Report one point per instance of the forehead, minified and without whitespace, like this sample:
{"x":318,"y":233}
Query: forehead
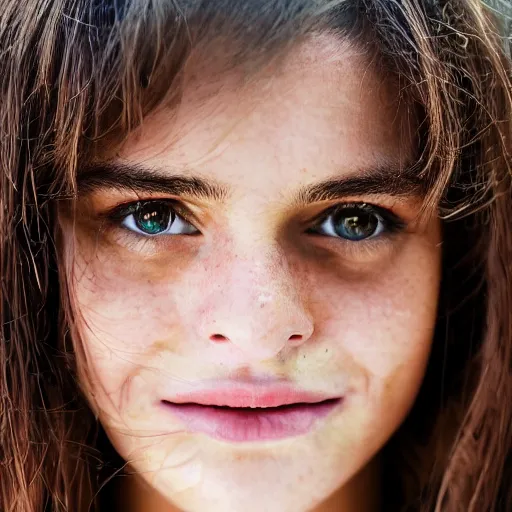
{"x":324,"y":108}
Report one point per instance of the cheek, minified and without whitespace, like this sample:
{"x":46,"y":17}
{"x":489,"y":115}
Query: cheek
{"x":122,"y":310}
{"x":382,"y":326}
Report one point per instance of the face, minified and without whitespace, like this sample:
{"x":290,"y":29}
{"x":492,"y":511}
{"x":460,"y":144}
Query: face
{"x":254,"y":294}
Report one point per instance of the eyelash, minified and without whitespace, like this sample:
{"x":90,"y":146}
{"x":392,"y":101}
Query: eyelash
{"x":119,"y":213}
{"x":391,"y":223}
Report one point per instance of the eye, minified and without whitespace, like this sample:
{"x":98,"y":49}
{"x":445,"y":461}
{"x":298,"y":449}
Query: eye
{"x":152,"y":218}
{"x":357,"y":222}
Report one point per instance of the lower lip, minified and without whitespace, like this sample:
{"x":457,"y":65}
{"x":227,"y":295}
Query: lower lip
{"x":258,"y":424}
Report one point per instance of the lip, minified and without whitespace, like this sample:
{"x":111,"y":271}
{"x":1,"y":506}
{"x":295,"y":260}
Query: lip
{"x":251,"y":413}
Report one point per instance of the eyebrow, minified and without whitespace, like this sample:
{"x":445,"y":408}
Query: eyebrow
{"x":384,"y":180}
{"x":139,"y":178}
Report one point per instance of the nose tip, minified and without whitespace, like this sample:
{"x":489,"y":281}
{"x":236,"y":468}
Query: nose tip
{"x":258,"y":311}
{"x":262,"y":343}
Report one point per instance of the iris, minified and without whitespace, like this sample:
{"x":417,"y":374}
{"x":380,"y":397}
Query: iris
{"x":153,"y":218}
{"x":355,"y":224}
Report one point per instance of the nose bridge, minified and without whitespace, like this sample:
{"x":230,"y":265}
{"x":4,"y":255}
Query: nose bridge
{"x":268,"y":277}
{"x":258,"y":307}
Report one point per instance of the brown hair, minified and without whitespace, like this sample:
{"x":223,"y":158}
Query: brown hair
{"x":77,"y":73}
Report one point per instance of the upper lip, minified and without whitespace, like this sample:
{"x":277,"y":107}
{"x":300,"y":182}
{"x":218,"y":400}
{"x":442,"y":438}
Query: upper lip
{"x":249,"y":395}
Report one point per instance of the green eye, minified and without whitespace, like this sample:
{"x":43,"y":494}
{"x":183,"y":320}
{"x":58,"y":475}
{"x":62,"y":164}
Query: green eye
{"x":153,"y":218}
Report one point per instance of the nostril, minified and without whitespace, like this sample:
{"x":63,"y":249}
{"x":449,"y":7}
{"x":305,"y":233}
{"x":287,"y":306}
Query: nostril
{"x":218,"y":338}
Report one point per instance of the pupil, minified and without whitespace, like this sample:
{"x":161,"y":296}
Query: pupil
{"x":355,"y":224}
{"x":153,"y":218}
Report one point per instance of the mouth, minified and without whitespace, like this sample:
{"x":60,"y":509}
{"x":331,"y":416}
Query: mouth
{"x":251,"y":423}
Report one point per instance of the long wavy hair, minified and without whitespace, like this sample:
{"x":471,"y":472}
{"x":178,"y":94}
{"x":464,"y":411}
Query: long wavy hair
{"x":77,"y":75}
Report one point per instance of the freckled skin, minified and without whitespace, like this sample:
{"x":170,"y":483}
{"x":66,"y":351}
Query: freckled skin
{"x":366,"y":315}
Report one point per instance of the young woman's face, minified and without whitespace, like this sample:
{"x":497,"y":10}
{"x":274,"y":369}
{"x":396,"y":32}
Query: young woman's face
{"x":257,"y":249}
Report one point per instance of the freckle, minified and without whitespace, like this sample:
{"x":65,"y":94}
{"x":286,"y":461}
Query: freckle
{"x":243,"y":372}
{"x":159,"y":346}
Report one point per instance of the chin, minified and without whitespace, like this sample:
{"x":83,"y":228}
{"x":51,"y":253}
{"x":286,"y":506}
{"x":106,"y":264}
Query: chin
{"x":206,"y":474}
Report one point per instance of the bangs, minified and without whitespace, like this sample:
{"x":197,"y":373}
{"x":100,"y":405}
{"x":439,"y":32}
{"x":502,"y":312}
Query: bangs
{"x":141,"y":53}
{"x":122,"y":60}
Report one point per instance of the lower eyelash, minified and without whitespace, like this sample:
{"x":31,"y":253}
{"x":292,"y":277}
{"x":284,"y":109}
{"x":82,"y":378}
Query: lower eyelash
{"x":132,"y":241}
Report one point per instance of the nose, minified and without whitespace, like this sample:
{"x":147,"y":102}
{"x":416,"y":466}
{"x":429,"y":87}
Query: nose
{"x":254,"y":304}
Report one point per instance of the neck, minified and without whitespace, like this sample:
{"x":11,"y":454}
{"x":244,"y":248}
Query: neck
{"x":360,"y":494}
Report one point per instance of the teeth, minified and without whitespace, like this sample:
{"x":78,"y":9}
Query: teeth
{"x":257,"y":407}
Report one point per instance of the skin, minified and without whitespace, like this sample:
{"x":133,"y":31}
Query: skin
{"x":363,"y":312}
